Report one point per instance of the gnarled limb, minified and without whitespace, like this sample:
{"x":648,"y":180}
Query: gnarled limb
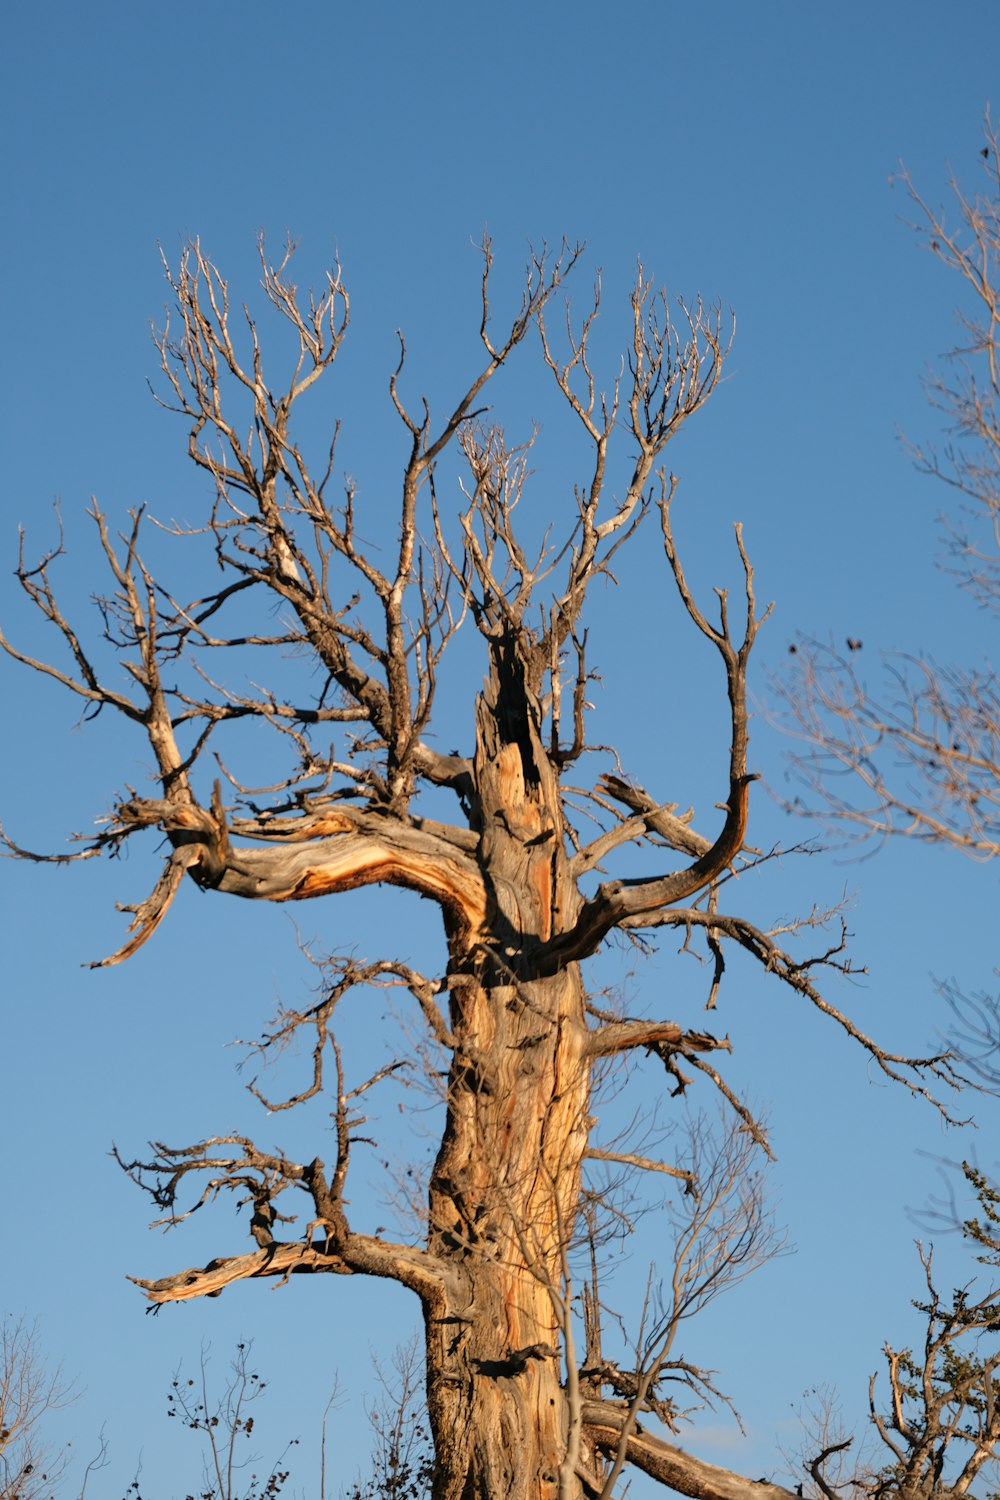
{"x":617,"y":903}
{"x":338,"y":849}
{"x":679,"y":1471}
{"x":148,"y":914}
{"x":262,"y":1177}
{"x":621,"y":903}
{"x":365,"y":1256}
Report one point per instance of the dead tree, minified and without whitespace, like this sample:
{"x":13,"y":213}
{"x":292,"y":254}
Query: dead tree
{"x":920,"y":759}
{"x":922,"y":755}
{"x":514,"y":872}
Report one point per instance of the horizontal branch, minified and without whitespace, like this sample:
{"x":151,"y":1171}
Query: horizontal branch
{"x":362,"y":1255}
{"x":344,"y":848}
{"x":641,"y":1163}
{"x":622,"y":1036}
{"x":338,"y":849}
{"x":941,"y":1067}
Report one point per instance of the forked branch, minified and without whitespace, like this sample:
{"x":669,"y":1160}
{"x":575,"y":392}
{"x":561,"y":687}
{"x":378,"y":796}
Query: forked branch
{"x":622,"y":903}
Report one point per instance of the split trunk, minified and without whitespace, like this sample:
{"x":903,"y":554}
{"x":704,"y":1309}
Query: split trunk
{"x":506,"y":1184}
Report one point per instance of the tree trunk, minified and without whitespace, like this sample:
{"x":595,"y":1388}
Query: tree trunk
{"x":506,"y":1184}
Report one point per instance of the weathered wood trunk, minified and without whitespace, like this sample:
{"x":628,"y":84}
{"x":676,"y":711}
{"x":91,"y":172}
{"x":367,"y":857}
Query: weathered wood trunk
{"x":506,"y":1184}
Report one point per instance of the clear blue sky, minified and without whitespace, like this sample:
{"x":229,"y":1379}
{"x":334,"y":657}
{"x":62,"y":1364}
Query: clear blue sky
{"x":743,"y":151}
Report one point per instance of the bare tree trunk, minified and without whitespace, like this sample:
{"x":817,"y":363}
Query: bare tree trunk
{"x":506,"y":1183}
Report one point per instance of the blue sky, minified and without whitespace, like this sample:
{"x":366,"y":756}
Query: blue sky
{"x":744,"y":152}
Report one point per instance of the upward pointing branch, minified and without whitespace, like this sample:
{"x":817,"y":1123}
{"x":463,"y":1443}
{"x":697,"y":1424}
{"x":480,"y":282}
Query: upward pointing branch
{"x":618,"y":901}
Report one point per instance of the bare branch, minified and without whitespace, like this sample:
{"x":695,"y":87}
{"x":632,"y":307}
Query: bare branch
{"x":920,"y":758}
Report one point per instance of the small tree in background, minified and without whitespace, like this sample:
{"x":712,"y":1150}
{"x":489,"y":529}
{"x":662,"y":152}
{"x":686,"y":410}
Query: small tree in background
{"x":934,"y":1408}
{"x":921,"y":760}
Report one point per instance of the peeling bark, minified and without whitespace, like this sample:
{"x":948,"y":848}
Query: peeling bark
{"x":506,"y":1183}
